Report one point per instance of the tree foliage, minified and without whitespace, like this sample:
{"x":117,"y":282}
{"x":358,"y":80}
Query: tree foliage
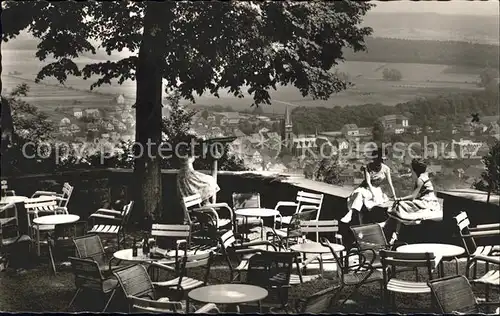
{"x":391,"y":74}
{"x":491,"y":176}
{"x":192,"y":49}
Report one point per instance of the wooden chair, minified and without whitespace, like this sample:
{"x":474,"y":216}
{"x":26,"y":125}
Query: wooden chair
{"x":90,"y":247}
{"x":62,"y":198}
{"x":110,"y":225}
{"x":468,"y":235}
{"x":5,"y":189}
{"x":231,"y":249}
{"x":247,"y":200}
{"x":291,"y":234}
{"x":318,"y":303}
{"x":355,"y":275}
{"x":183,"y":284}
{"x":88,"y":276}
{"x":324,"y":226}
{"x":194,"y":203}
{"x":305,"y":201}
{"x":272,"y":271}
{"x":181,"y":234}
{"x":13,"y":232}
{"x":392,"y":259}
{"x":454,"y":295}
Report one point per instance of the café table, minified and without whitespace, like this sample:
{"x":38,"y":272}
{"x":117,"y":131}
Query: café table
{"x":312,"y":247}
{"x":443,"y":251}
{"x":255,"y":212}
{"x":57,"y":219}
{"x":228,"y":294}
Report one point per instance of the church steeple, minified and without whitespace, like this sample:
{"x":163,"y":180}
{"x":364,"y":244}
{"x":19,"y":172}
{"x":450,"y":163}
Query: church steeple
{"x":287,"y":128}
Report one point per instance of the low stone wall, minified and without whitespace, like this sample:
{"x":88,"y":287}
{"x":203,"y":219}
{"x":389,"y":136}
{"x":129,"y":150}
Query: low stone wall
{"x":97,"y":188}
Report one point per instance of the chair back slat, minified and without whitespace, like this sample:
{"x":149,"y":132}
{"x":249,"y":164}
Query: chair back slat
{"x":189,"y":202}
{"x":403,"y":259}
{"x":87,"y":273}
{"x":227,"y":239}
{"x":135,"y":281}
{"x":142,"y":305}
{"x":197,"y":260}
{"x":463,"y":227}
{"x":245,"y":200}
{"x":168,"y":230}
{"x":454,"y":294}
{"x":313,"y":226}
{"x":127,"y":210}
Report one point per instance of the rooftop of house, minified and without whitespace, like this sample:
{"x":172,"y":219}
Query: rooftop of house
{"x":350,"y":127}
{"x":391,"y":117}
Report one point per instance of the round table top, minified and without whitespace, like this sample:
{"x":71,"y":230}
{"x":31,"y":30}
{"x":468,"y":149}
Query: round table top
{"x":257,"y":212}
{"x":56,"y":219}
{"x":443,"y":250}
{"x":126,"y":255}
{"x":315,"y":247}
{"x":13,"y":199}
{"x":228,"y":293}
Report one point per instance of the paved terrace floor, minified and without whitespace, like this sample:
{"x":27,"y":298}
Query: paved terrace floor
{"x":35,"y":289}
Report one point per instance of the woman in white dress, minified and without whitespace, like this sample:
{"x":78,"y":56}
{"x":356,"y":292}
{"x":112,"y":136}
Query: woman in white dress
{"x":369,"y":193}
{"x":419,"y":205}
{"x":190,"y":181}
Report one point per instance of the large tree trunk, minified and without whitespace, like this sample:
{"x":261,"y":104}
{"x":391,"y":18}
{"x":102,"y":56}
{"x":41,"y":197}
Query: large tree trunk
{"x":147,"y":173}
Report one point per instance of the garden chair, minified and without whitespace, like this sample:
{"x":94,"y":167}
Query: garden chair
{"x":391,"y":260}
{"x":88,"y":276}
{"x":183,"y":284}
{"x":13,"y":232}
{"x":292,"y":233}
{"x":5,"y":189}
{"x":272,"y":271}
{"x":62,"y":198}
{"x":324,"y":226}
{"x":181,"y":234}
{"x":230,"y":249}
{"x":90,"y":247}
{"x":318,"y":303}
{"x":194,"y":203}
{"x":247,"y":200}
{"x":61,"y":240}
{"x":305,"y":201}
{"x":355,"y":275}
{"x":490,"y":277}
{"x":114,"y":226}
{"x":468,"y":235}
{"x":371,"y":236}
{"x":454,"y":295}
{"x":205,"y":229}
{"x":141,"y":293}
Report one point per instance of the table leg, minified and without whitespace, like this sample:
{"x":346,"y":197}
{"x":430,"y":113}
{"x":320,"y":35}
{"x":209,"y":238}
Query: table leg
{"x":38,"y":239}
{"x":456,"y":264}
{"x":441,"y":269}
{"x":232,"y":308}
{"x":321,"y":265}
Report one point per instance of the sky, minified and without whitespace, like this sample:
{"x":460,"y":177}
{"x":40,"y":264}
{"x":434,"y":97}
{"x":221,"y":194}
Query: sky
{"x":442,"y":7}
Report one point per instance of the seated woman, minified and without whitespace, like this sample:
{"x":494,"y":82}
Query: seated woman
{"x":190,"y":181}
{"x":422,"y":204}
{"x":369,"y":193}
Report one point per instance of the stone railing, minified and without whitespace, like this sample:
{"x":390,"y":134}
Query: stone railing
{"x":96,"y":188}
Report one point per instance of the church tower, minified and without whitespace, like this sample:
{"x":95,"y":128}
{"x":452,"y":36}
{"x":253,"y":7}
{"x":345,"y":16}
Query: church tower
{"x":287,"y":129}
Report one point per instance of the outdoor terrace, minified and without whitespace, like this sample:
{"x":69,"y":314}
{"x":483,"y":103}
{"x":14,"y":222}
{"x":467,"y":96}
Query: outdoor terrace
{"x":36,"y":289}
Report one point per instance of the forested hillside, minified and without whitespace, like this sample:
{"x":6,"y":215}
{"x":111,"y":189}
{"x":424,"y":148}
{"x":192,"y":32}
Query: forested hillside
{"x":427,"y":52}
{"x":432,"y":112}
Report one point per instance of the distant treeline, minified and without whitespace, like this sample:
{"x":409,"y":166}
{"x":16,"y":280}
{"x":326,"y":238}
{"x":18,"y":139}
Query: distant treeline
{"x":453,"y":108}
{"x":389,"y":50}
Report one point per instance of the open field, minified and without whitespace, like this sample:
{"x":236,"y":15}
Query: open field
{"x":418,"y":80}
